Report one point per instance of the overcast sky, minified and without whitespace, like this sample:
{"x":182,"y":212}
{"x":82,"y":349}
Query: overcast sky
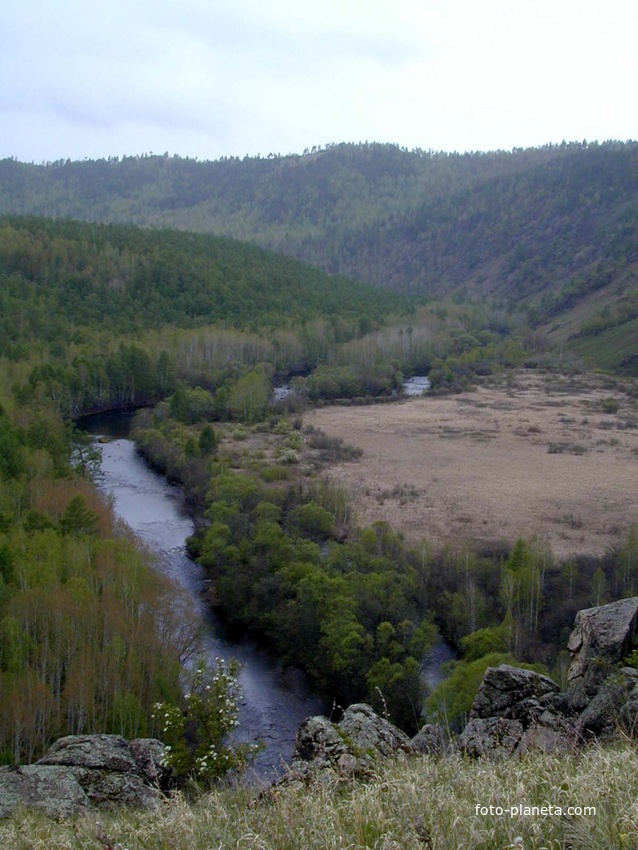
{"x":211,"y":78}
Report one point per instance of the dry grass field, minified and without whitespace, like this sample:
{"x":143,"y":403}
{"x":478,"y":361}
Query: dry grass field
{"x":532,"y":454}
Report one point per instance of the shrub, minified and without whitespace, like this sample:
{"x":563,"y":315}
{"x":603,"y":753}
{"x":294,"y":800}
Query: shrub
{"x":197,"y":733}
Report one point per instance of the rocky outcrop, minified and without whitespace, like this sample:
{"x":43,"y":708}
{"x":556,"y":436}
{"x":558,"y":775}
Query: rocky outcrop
{"x":614,"y":709}
{"x":350,"y":747}
{"x":516,"y":710}
{"x":431,"y":740}
{"x":601,"y":638}
{"x":82,"y":771}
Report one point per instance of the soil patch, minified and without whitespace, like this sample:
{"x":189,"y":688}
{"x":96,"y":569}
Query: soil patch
{"x":535,"y":454}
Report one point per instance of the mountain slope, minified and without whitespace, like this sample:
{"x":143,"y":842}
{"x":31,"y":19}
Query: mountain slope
{"x":553,"y":229}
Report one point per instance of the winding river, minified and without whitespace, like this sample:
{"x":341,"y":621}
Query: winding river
{"x":274,"y":701}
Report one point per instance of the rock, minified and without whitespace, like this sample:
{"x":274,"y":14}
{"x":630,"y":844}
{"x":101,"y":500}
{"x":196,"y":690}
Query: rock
{"x":490,"y":736}
{"x":104,"y":788}
{"x":613,"y":708}
{"x":431,"y":739}
{"x":80,"y":771}
{"x":600,"y":639}
{"x":508,"y":691}
{"x":97,"y":752}
{"x":149,"y":758}
{"x":515,"y":711}
{"x":53,"y":790}
{"x":318,"y":740}
{"x":368,"y":733}
{"x":348,"y":748}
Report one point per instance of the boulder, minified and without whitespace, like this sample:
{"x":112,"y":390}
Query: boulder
{"x":81,"y":771}
{"x":614,"y":707}
{"x":601,"y":638}
{"x":318,"y":740}
{"x":484,"y":736}
{"x":52,"y":790}
{"x":349,"y":747}
{"x":96,"y":752}
{"x":366,"y":732}
{"x":512,"y":692}
{"x":515,"y":711}
{"x":430,"y":740}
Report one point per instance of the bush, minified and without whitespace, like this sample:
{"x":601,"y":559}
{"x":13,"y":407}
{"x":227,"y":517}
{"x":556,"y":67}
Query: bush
{"x":197,"y":733}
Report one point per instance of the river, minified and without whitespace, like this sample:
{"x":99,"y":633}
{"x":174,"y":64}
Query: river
{"x":274,"y":701}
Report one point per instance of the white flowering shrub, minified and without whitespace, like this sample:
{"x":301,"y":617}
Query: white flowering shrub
{"x":197,"y":734}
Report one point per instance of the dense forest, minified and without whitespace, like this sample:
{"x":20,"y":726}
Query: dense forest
{"x":459,"y":267}
{"x":552,"y":228}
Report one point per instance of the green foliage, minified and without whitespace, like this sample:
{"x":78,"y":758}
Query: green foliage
{"x":11,"y":450}
{"x":207,"y":441}
{"x":198,"y":733}
{"x":192,"y":405}
{"x":250,"y":397}
{"x":78,"y":518}
{"x":484,"y":642}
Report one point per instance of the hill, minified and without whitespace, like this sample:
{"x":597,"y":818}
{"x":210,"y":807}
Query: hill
{"x":553,"y":229}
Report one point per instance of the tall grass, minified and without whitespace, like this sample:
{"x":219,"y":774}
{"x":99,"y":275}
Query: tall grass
{"x":422,"y":803}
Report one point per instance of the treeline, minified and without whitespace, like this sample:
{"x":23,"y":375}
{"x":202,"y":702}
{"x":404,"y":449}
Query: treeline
{"x":90,"y":635}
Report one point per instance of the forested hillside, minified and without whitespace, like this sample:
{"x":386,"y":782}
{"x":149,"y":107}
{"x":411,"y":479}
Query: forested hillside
{"x":517,"y":223}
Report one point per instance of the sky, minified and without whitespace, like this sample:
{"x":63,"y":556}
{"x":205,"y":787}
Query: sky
{"x":211,"y":78}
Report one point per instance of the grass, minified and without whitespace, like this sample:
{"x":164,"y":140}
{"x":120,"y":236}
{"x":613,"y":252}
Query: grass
{"x":422,"y":803}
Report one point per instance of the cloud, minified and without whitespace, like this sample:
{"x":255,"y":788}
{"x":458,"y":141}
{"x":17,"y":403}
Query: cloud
{"x":206,"y":77}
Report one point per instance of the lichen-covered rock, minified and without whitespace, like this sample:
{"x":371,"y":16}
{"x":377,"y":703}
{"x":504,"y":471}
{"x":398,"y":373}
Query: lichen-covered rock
{"x":512,"y":692}
{"x":53,"y":790}
{"x":97,"y":752}
{"x":149,"y":758}
{"x":366,"y":732}
{"x":601,"y":638}
{"x":348,"y":748}
{"x":110,"y":788}
{"x":613,"y":708}
{"x":431,"y":739}
{"x":318,"y":740}
{"x":485,"y":736}
{"x":515,"y":711}
{"x":80,"y":771}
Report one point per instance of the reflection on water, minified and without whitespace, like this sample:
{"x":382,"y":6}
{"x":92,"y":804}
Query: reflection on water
{"x":275,"y":702}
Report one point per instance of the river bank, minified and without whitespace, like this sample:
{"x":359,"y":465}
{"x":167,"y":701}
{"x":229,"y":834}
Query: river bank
{"x":274,"y":701}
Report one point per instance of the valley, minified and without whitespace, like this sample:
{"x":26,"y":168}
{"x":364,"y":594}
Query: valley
{"x":527,"y":454}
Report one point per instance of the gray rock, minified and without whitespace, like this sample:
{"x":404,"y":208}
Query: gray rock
{"x":613,"y":708}
{"x":149,"y":758}
{"x":368,"y":733}
{"x":107,"y":788}
{"x":600,"y":639}
{"x":515,"y":711}
{"x":53,"y":790}
{"x":431,"y":739}
{"x":97,"y":752}
{"x":80,"y":771}
{"x":348,"y":748}
{"x":512,"y":692}
{"x":490,"y":736}
{"x":318,"y":740}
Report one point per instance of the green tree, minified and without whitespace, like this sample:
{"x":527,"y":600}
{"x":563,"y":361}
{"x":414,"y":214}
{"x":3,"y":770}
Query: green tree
{"x":78,"y":518}
{"x":250,"y":396}
{"x":207,"y":441}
